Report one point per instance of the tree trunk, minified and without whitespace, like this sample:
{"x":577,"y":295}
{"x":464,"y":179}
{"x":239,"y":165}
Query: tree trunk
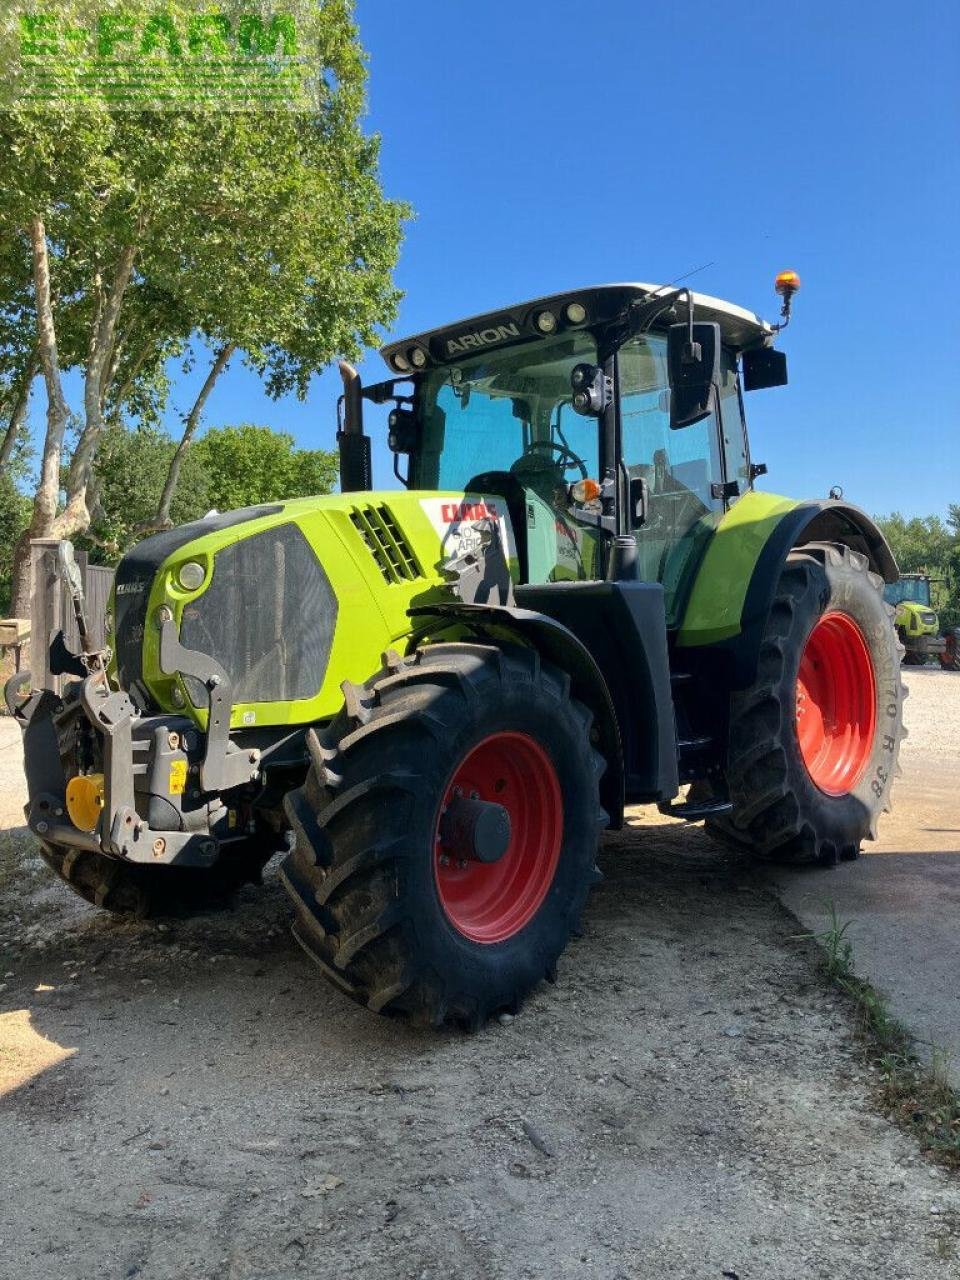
{"x":162,"y":518}
{"x":18,"y":415}
{"x":76,"y":516}
{"x":48,"y":485}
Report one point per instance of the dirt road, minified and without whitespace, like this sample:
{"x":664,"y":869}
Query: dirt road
{"x":190,"y":1100}
{"x":901,"y":905}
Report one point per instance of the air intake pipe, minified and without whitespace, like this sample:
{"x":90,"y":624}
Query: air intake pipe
{"x":356,"y":471}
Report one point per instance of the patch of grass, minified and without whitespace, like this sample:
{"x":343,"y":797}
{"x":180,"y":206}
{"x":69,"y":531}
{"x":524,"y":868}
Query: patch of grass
{"x":918,"y":1096}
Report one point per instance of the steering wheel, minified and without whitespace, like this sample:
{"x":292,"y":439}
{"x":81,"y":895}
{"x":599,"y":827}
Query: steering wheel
{"x":565,"y":458}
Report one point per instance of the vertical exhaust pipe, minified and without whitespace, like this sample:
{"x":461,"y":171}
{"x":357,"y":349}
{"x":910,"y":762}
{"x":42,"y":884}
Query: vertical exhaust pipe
{"x":356,"y":470}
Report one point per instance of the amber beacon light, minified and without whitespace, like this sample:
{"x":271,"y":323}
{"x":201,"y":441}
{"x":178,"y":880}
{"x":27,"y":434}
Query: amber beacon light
{"x":786,"y":284}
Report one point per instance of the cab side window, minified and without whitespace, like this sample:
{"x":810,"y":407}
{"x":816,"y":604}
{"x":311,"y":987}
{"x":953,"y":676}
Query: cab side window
{"x":736,"y":453}
{"x":678,"y":466}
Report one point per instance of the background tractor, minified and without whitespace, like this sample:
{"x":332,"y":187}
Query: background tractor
{"x":916,"y":620}
{"x":437,"y":696}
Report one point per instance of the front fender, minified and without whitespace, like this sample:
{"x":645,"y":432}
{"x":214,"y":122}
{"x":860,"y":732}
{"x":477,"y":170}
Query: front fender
{"x":559,"y":646}
{"x":737,"y":579}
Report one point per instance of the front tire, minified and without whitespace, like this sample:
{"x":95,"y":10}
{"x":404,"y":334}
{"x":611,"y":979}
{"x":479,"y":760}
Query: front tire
{"x":132,"y":889}
{"x":395,"y":903}
{"x":814,"y":742}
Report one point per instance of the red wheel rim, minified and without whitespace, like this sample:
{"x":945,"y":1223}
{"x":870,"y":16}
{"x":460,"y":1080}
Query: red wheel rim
{"x":836,"y":704}
{"x":491,"y":901}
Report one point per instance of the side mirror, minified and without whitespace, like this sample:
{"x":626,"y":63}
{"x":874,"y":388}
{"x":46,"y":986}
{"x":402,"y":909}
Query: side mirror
{"x":639,"y":499}
{"x":693,"y":367}
{"x":764,"y":367}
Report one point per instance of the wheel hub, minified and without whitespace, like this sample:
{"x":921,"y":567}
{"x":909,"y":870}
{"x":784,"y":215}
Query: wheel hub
{"x":498,"y":836}
{"x":475,"y":829}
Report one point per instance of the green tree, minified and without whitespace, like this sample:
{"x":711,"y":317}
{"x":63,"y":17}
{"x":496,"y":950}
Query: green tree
{"x":260,"y":233}
{"x":128,"y":477}
{"x":247,"y":464}
{"x":228,"y":467}
{"x":14,"y":517}
{"x":928,"y":544}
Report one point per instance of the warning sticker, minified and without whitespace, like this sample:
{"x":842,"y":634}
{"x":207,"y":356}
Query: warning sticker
{"x":459,"y":522}
{"x":178,"y":777}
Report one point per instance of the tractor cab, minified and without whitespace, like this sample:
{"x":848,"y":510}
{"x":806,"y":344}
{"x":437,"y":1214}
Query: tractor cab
{"x":605,"y":411}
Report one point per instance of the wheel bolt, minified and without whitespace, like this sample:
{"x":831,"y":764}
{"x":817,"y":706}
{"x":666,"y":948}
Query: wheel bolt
{"x":444,"y":860}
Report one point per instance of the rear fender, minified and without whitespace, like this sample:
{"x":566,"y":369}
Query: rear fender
{"x":736,"y":586}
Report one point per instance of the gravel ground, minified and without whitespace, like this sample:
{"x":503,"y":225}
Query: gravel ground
{"x":189,"y":1099}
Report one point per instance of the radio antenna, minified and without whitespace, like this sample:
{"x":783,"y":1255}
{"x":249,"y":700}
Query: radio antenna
{"x":695,"y":271}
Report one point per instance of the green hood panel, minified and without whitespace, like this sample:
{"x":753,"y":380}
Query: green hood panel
{"x":380,"y":553}
{"x":715,"y":606}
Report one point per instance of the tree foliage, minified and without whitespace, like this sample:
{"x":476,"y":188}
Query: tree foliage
{"x":929,"y":544}
{"x":131,"y":236}
{"x":250,"y":464}
{"x":228,"y":467}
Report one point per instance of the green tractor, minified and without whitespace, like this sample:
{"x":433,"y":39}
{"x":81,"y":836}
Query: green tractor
{"x":437,"y":697}
{"x":915,"y":619}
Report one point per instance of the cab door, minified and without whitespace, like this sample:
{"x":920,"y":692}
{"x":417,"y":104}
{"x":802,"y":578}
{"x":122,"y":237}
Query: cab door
{"x":683,"y":469}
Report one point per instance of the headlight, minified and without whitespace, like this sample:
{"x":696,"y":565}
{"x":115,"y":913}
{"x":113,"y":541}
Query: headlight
{"x":191,"y":575}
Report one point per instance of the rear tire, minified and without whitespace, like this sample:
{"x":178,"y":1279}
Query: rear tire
{"x":811,"y":790}
{"x":389,"y":922}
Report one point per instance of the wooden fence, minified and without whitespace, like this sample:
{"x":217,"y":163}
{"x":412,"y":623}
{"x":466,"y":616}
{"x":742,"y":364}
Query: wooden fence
{"x":52,"y":608}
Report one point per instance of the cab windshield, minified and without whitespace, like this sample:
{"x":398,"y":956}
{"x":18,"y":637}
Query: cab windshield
{"x":508,"y":411}
{"x":916,"y":590}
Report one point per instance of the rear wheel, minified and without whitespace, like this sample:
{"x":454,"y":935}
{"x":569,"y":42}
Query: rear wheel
{"x":446,"y":835}
{"x":814,"y":742}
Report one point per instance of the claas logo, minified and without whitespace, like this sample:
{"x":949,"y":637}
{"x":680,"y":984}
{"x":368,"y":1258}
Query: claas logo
{"x":452,"y":512}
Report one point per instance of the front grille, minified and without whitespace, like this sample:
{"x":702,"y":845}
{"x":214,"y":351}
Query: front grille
{"x":134,"y":580}
{"x":386,"y":543}
{"x":268,"y":618}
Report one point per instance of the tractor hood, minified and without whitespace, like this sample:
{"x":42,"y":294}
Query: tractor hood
{"x":289,"y":599}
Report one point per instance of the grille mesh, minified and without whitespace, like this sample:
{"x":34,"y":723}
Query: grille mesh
{"x":386,"y":543}
{"x":268,"y":617}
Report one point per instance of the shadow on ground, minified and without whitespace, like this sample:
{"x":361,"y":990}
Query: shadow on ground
{"x":191,"y":1099}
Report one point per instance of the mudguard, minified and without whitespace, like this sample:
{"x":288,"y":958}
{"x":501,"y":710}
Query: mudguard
{"x":738,"y":577}
{"x":557,"y":644}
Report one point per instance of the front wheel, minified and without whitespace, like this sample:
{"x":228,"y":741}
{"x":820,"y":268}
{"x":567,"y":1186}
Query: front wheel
{"x":135,"y":889}
{"x":814,"y":742}
{"x":446,"y":834}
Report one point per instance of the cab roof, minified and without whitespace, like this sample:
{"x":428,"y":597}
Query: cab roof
{"x":601,"y":304}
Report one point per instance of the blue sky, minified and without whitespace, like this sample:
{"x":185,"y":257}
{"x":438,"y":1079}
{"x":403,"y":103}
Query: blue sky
{"x":549,"y":145}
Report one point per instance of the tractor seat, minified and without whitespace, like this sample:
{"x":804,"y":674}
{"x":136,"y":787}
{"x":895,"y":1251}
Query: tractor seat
{"x":506,"y":484}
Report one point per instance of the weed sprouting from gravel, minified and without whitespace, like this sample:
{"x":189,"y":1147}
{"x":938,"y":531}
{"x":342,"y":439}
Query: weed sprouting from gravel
{"x":918,"y":1097}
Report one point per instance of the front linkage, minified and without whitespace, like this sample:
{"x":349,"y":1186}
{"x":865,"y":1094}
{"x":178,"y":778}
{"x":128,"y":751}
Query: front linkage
{"x":90,"y":755}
